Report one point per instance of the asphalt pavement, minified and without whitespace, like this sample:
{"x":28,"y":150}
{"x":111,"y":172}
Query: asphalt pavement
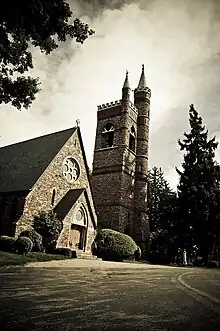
{"x":97,"y":295}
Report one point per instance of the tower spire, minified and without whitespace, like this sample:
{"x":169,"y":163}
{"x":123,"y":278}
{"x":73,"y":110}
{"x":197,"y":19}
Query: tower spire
{"x":142,"y":81}
{"x":126,"y":82}
{"x":126,"y":89}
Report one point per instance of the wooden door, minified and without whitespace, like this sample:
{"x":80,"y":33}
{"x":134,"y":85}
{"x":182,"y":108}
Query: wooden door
{"x":75,"y":237}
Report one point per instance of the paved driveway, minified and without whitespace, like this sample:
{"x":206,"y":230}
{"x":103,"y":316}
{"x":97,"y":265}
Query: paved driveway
{"x":97,"y":295}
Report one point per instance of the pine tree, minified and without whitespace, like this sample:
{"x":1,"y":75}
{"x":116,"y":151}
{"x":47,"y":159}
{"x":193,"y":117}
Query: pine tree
{"x":161,"y":210}
{"x":198,"y":189}
{"x":159,"y":196}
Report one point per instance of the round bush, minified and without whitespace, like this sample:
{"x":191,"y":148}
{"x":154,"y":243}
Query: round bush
{"x":7,"y":244}
{"x":63,"y":251}
{"x":36,"y":238}
{"x":213,"y":264}
{"x":114,"y":246}
{"x":138,"y":253}
{"x":24,"y":245}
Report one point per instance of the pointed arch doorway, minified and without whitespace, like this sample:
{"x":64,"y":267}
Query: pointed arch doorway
{"x":78,"y":229}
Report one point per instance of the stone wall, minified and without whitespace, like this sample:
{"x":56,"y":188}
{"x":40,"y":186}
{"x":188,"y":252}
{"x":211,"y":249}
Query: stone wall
{"x":119,"y":174}
{"x":114,"y":168}
{"x":141,"y":221}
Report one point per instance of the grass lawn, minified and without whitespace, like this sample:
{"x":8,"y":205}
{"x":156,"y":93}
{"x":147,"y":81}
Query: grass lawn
{"x":7,"y":259}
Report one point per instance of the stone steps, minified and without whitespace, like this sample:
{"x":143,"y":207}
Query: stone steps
{"x":85,"y":255}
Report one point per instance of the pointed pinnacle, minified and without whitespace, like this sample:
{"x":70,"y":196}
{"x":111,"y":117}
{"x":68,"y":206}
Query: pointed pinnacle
{"x":126,"y":82}
{"x":142,"y":81}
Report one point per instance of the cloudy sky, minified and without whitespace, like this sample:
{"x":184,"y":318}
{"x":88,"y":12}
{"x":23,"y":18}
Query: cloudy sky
{"x":177,"y":40}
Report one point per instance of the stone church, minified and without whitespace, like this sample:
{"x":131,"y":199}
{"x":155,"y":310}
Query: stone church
{"x":51,"y":172}
{"x":120,"y":166}
{"x":48,"y":172}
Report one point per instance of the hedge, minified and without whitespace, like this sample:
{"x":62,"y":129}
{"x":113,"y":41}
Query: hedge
{"x":65,"y":251}
{"x":36,"y":238}
{"x":7,"y":244}
{"x":23,"y":245}
{"x":113,"y":245}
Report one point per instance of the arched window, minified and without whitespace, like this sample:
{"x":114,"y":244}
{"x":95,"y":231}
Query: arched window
{"x":108,"y":135}
{"x":132,"y":140}
{"x":53,"y":196}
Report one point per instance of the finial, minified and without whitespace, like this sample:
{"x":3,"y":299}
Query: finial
{"x":142,"y":81}
{"x":126,"y":82}
{"x":77,"y":122}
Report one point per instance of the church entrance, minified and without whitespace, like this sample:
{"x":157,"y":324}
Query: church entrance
{"x":76,"y":237}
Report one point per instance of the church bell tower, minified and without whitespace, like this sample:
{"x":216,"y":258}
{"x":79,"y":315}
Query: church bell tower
{"x":140,"y":231}
{"x":120,"y":164}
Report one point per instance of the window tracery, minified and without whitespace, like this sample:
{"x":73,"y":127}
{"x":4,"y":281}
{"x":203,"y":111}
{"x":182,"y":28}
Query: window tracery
{"x":70,"y":170}
{"x":108,"y":135}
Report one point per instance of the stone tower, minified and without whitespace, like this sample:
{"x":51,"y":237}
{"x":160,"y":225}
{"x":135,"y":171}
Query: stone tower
{"x":120,"y":164}
{"x":140,"y":230}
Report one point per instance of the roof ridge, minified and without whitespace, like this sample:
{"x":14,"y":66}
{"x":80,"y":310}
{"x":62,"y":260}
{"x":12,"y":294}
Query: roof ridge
{"x":45,"y":135}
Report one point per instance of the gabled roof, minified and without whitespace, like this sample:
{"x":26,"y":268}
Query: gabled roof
{"x":66,"y":203}
{"x":21,"y":164}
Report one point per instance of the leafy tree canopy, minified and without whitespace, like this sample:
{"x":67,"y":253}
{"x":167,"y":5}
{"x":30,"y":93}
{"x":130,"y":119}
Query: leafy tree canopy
{"x":26,"y":23}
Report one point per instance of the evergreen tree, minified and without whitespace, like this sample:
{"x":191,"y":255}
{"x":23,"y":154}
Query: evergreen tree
{"x":49,"y":227}
{"x":26,"y":24}
{"x":159,"y":199}
{"x":161,"y":210}
{"x":198,"y":189}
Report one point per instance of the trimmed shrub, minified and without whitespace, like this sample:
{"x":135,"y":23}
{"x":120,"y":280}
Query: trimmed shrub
{"x":114,"y":246}
{"x":36,"y":238}
{"x":49,"y":227}
{"x":213,"y":264}
{"x":7,"y":244}
{"x":137,"y":253}
{"x":23,"y":245}
{"x":63,"y":251}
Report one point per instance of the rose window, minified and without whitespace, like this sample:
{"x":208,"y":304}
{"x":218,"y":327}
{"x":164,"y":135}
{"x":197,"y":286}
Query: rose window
{"x":70,"y":170}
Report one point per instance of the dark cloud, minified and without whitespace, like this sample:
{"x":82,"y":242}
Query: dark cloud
{"x":93,"y":8}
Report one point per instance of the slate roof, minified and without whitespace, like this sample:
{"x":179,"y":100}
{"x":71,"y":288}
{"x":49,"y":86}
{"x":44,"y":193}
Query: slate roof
{"x":21,"y":164}
{"x":66,"y":203}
